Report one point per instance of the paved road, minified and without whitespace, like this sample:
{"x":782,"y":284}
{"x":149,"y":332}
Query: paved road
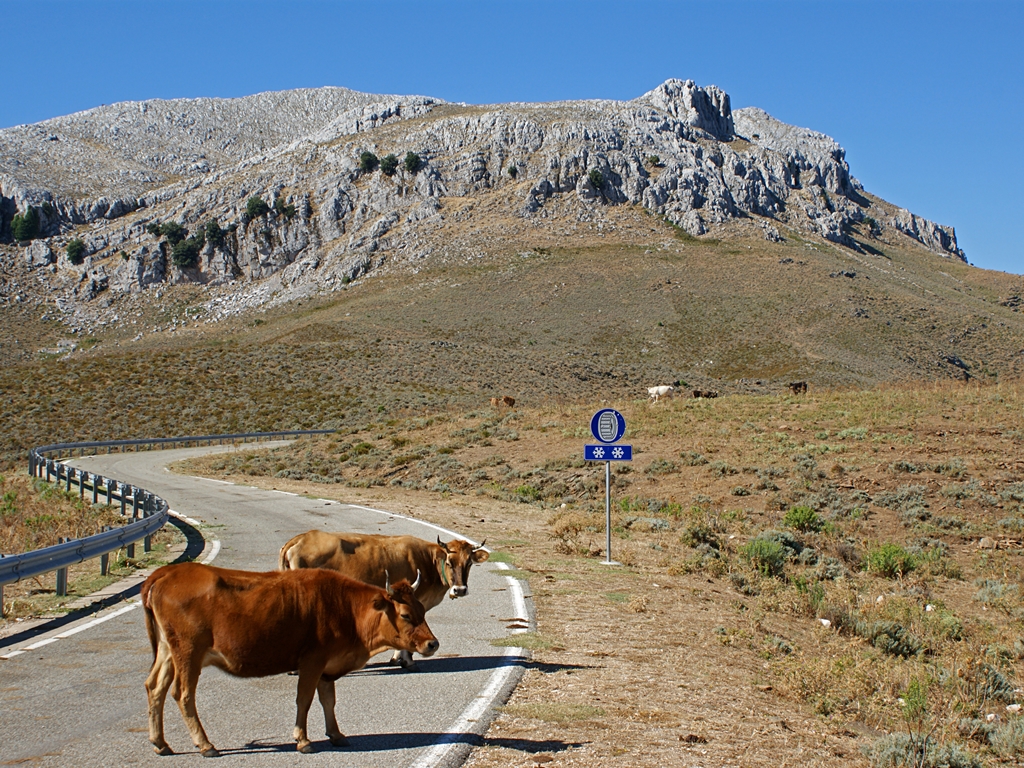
{"x":79,"y":701}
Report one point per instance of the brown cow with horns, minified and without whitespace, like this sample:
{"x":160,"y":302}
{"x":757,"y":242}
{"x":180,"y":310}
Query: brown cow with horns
{"x":443,"y":568}
{"x":317,"y":622}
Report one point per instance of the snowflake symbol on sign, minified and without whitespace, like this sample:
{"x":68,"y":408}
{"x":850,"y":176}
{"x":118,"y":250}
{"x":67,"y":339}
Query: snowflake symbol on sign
{"x":599,"y":453}
{"x":617,"y":453}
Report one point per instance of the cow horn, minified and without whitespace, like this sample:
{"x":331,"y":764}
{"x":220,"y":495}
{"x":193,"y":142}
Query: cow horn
{"x":416,"y":583}
{"x":387,"y":582}
{"x":481,"y":545}
{"x":441,"y":544}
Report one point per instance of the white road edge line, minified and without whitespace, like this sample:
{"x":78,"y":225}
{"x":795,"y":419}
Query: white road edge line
{"x":485,"y":699}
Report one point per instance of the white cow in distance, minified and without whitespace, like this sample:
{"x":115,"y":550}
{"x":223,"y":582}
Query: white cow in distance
{"x":656,"y":393}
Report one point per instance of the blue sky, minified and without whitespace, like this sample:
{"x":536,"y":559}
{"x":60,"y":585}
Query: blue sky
{"x":926,"y":97}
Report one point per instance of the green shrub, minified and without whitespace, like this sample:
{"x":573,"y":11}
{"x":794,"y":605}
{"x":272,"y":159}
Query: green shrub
{"x":692,"y":458}
{"x":76,"y":251}
{"x":765,"y":556}
{"x":412,"y":162}
{"x":513,"y":171}
{"x":803,"y":519}
{"x":661,"y":467}
{"x":153,"y":228}
{"x":256,"y":207}
{"x":185,"y":253}
{"x":890,"y":560}
{"x":25,"y":226}
{"x":596,"y":179}
{"x":388,"y":165}
{"x":654,"y":161}
{"x":890,"y":637}
{"x":173,"y":231}
{"x":282,"y":209}
{"x":368,"y":162}
{"x":214,"y":234}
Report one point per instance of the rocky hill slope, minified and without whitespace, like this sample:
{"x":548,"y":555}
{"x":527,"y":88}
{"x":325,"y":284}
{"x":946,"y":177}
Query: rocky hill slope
{"x":678,"y":151}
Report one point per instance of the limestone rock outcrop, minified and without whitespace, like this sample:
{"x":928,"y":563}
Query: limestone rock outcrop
{"x":111,"y":175}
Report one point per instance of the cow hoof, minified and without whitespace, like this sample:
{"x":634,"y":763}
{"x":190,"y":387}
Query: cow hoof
{"x":307,"y":748}
{"x":210,"y":752}
{"x":163,"y":751}
{"x":339,"y":741}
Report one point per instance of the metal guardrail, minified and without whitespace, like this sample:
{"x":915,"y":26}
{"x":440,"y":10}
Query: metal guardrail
{"x":147,"y":511}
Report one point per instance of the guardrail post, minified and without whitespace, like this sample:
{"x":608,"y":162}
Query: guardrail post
{"x":135,"y":504}
{"x":131,"y":551}
{"x":81,"y":484}
{"x":68,"y":471}
{"x":62,"y":577}
{"x":108,"y":483}
{"x":123,"y":489}
{"x":147,"y":544}
{"x":95,"y":488}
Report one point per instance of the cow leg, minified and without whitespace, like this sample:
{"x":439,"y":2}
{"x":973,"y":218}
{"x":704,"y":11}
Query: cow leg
{"x":186,"y":681}
{"x":161,"y":675}
{"x":325,"y":691}
{"x":309,"y":679}
{"x":402,"y":659}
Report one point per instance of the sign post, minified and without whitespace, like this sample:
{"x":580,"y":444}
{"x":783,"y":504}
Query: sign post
{"x":608,"y":426}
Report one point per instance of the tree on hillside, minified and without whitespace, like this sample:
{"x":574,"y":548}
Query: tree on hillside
{"x":412,"y":162}
{"x":173,"y":231}
{"x":596,"y":179}
{"x":76,"y":251}
{"x":282,"y":209}
{"x":214,"y":234}
{"x":185,"y":253}
{"x":388,"y":165}
{"x":368,"y":162}
{"x":256,"y":207}
{"x":25,"y":226}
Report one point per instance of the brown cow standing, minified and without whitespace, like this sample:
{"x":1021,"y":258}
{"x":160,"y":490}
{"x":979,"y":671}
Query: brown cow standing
{"x":509,"y":401}
{"x":443,"y":568}
{"x":495,"y":402}
{"x":798,"y":387}
{"x":319,"y":623}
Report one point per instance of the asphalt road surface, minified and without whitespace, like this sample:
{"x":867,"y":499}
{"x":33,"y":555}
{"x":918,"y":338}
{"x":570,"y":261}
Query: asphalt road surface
{"x":74,"y":695}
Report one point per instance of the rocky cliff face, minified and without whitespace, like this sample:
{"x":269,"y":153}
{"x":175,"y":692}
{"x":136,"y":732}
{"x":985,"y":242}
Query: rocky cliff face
{"x":108,"y":175}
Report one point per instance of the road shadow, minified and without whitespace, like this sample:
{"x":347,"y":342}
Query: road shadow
{"x":465,"y":664}
{"x":390,"y":742}
{"x":194,"y":541}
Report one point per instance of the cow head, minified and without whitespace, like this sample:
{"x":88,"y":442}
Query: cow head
{"x":459,"y":557}
{"x":407,"y":617}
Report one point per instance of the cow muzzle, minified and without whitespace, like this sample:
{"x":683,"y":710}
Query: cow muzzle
{"x":429,"y":648}
{"x":457,"y":591}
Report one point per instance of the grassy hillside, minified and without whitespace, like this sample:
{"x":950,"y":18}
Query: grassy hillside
{"x":602,"y":311}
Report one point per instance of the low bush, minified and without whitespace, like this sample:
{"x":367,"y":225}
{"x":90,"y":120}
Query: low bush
{"x":214,"y":234}
{"x":765,"y":556}
{"x":412,"y":162}
{"x":256,"y":207}
{"x":388,"y":165}
{"x":185,"y":253}
{"x":890,"y":560}
{"x":900,"y":749}
{"x":287,"y":210}
{"x":803,"y":519}
{"x":596,"y":179}
{"x":76,"y":251}
{"x":368,"y":162}
{"x":513,"y":171}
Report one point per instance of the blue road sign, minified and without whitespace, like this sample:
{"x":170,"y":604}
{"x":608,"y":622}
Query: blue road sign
{"x":607,"y":452}
{"x":608,"y":426}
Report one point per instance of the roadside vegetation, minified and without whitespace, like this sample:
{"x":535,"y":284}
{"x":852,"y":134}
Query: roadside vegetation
{"x":869,"y":570}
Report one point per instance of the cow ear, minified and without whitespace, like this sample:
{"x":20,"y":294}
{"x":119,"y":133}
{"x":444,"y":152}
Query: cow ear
{"x":479,"y":555}
{"x":382,"y":604}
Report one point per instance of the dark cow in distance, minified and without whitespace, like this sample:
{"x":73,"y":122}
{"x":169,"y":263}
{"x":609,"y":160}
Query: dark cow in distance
{"x":443,"y":568}
{"x":698,"y":393}
{"x":316,"y":622}
{"x":798,"y":387}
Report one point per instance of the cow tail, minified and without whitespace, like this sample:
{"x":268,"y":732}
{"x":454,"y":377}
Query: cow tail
{"x":147,"y":608}
{"x":283,"y":563}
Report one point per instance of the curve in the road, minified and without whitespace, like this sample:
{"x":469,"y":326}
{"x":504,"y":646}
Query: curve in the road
{"x":471,"y":681}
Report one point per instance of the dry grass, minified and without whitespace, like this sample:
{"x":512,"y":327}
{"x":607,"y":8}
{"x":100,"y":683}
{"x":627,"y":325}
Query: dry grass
{"x":903,"y":480}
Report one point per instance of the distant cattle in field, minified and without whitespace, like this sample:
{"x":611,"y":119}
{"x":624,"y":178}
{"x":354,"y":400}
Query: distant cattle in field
{"x":798,"y":387}
{"x":656,"y":393}
{"x":697,"y":393}
{"x":495,"y":402}
{"x":440,"y":569}
{"x":509,"y":401}
{"x":316,"y":622}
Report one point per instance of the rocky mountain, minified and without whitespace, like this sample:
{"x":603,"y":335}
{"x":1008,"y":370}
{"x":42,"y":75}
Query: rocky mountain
{"x":111,"y":177}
